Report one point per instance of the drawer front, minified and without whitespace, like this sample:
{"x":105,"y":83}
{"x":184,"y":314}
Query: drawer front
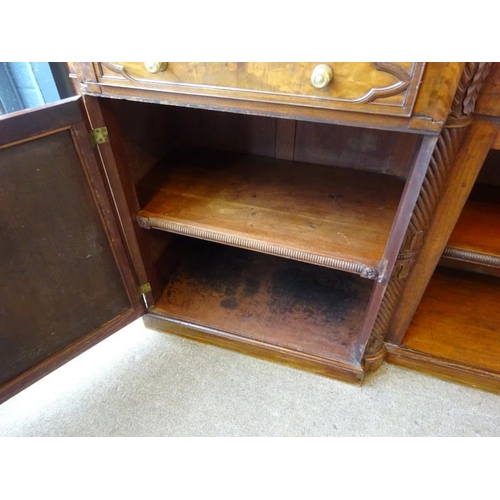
{"x":382,"y":88}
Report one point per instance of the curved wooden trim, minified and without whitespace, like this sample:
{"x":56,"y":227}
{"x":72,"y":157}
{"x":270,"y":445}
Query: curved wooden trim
{"x":372,"y":362}
{"x":121,"y":70}
{"x":404,"y":80}
{"x":407,"y":83}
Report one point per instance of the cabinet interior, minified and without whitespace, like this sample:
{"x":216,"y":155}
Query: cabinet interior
{"x":458,"y":317}
{"x":262,"y":228}
{"x":475,"y":241}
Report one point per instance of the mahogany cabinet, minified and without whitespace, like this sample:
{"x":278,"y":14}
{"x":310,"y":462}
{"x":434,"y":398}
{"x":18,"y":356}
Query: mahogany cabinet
{"x":454,"y":330}
{"x":270,"y":208}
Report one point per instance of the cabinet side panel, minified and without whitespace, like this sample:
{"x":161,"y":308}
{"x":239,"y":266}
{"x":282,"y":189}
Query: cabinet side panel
{"x":60,"y":279}
{"x":147,"y":132}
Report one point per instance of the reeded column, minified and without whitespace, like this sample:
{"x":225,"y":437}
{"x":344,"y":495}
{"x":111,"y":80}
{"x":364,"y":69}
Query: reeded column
{"x":441,"y":163}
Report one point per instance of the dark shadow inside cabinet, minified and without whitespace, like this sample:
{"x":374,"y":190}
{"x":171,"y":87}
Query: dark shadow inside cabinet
{"x":266,"y":234}
{"x":458,"y":320}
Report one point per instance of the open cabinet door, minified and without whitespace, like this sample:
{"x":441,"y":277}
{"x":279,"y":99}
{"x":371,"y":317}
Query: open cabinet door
{"x":65,"y":277}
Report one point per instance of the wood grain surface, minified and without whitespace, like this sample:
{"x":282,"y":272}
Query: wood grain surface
{"x":283,"y":90}
{"x":331,"y":213}
{"x":477,"y":229}
{"x":60,"y":278}
{"x":386,"y":88}
{"x":458,"y":319}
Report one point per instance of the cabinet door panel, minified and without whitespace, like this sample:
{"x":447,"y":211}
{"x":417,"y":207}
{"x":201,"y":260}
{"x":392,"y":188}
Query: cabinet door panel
{"x":66,"y":281}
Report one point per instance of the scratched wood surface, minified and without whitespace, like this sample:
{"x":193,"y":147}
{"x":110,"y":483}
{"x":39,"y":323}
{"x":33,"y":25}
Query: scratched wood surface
{"x":326,"y":212}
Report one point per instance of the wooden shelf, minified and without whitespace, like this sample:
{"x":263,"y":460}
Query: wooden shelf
{"x":333,"y":217}
{"x":458,"y":320}
{"x":280,"y":309}
{"x":455,"y":333}
{"x":476,"y":237}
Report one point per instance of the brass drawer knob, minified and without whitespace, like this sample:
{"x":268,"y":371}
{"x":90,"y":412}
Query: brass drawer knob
{"x":155,"y":67}
{"x":321,"y":76}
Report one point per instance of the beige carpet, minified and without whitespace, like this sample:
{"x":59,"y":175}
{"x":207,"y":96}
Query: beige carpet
{"x":144,"y":383}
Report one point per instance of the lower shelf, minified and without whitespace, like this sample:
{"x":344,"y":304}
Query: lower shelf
{"x":475,"y":241}
{"x":288,"y":311}
{"x":456,"y":329}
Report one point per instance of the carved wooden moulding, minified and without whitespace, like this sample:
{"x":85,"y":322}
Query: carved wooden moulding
{"x":255,"y":245}
{"x":442,"y":162}
{"x":380,"y":87}
{"x":472,"y":257}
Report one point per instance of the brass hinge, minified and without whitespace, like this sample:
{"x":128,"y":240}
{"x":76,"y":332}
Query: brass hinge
{"x":145,"y":288}
{"x":98,"y":136}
